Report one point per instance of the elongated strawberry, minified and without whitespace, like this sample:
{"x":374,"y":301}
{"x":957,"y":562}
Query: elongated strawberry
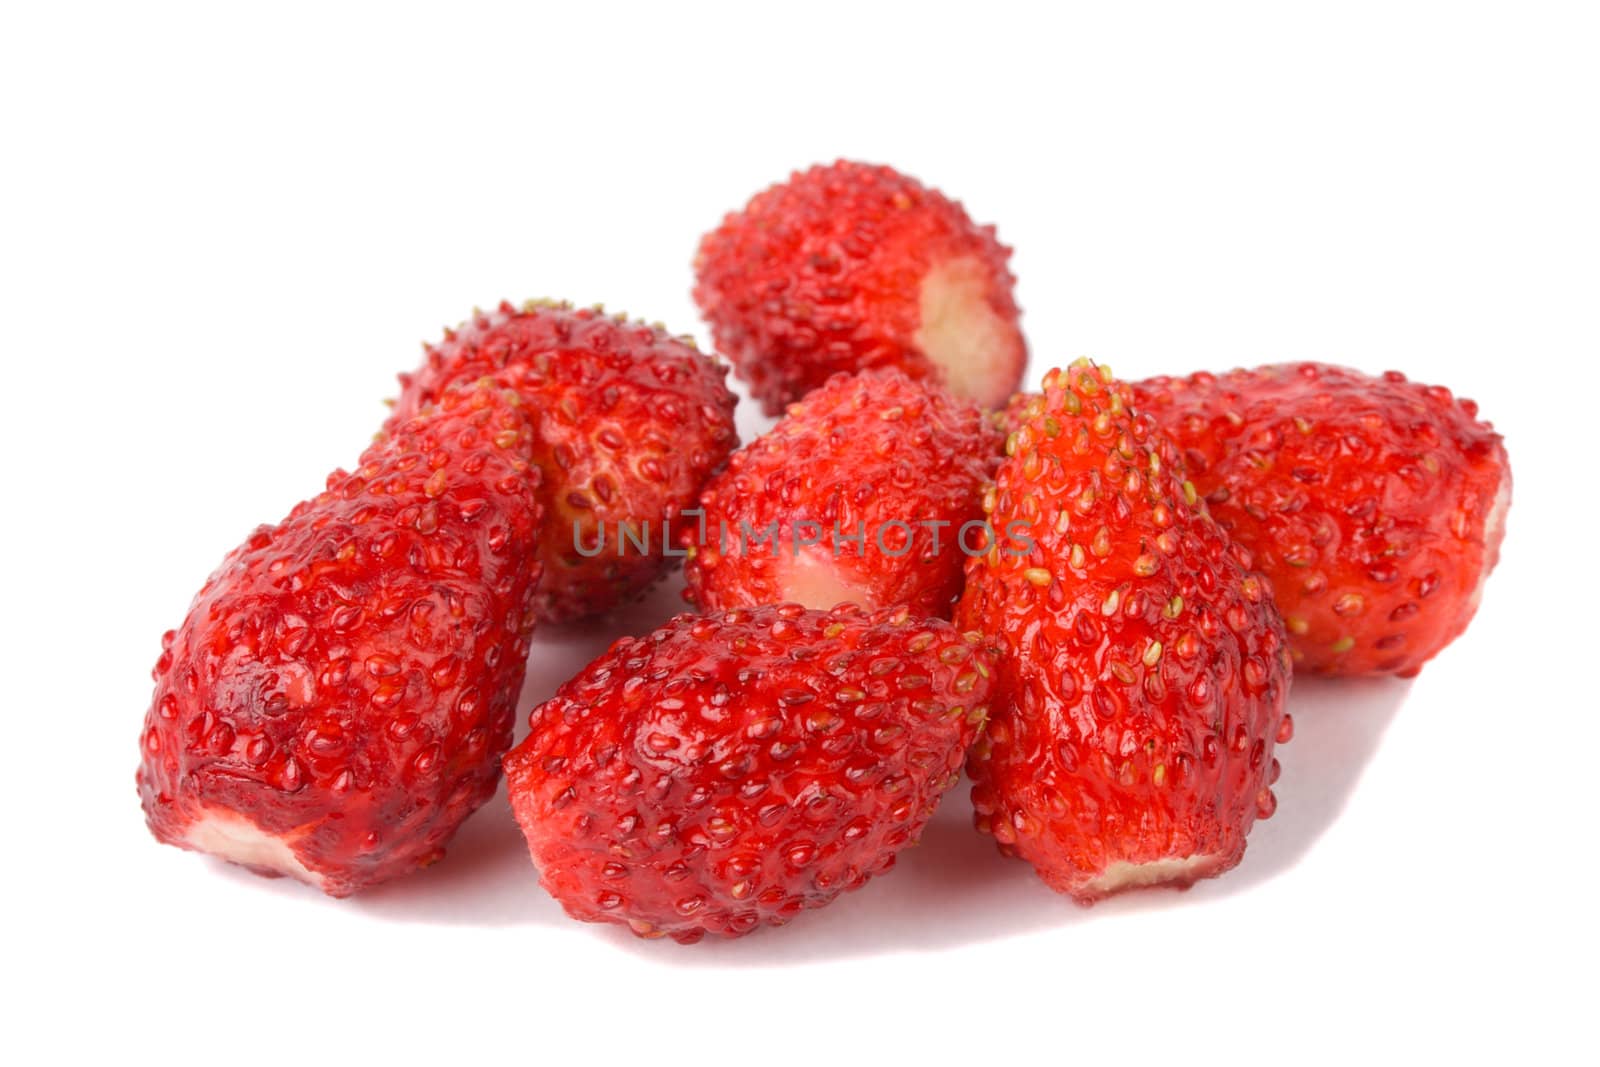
{"x":864,"y":492}
{"x":1376,"y":505}
{"x":1142,"y":670}
{"x":338,"y":699}
{"x":630,"y":423}
{"x":851,"y":266}
{"x":732,"y":770}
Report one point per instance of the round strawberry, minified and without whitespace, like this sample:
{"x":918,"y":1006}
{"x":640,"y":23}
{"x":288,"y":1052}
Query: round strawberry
{"x":864,"y":492}
{"x":338,"y":699}
{"x":850,"y":266}
{"x":1376,"y":505}
{"x":630,"y":423}
{"x":732,"y":770}
{"x":1010,"y":416}
{"x":1142,"y":669}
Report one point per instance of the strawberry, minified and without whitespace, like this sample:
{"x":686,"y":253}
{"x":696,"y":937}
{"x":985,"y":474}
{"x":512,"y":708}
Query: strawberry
{"x":1010,"y":416}
{"x":630,"y":423}
{"x":879,"y":473}
{"x":338,"y":699}
{"x":732,"y":770}
{"x":850,"y":266}
{"x":1142,"y":668}
{"x":1376,"y":505}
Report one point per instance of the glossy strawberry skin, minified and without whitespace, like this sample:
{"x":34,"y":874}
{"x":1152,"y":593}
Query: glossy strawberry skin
{"x":730,"y":771}
{"x":823,"y":273}
{"x":1142,"y":668}
{"x":631,"y":422}
{"x":1375,"y":505}
{"x":346,"y":681}
{"x":897,"y":467}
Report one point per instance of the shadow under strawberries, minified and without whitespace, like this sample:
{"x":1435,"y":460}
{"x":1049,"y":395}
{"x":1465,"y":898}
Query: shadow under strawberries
{"x":1338,"y":724}
{"x":954,"y":888}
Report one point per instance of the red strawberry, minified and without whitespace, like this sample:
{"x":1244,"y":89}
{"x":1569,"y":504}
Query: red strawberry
{"x":338,"y":699}
{"x":1142,"y":669}
{"x":731,"y":770}
{"x":879,"y":472}
{"x":631,"y":422}
{"x":1375,"y":505}
{"x":851,"y":266}
{"x":1010,"y":416}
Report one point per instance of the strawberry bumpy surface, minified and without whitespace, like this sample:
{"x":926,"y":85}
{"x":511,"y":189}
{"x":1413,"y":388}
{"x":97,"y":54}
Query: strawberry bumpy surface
{"x":630,"y":423}
{"x":825,"y":273}
{"x":339,"y":696}
{"x":1375,"y":505}
{"x":869,"y":461}
{"x":1009,"y":417}
{"x":728,"y":771}
{"x":1142,"y":669}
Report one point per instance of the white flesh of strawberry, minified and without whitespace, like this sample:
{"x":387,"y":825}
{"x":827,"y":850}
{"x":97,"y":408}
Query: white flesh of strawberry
{"x":961,"y":333}
{"x":238,"y":840}
{"x":1119,"y":876}
{"x":815,"y":580}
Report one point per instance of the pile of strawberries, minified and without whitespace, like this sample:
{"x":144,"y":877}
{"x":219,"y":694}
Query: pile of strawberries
{"x":1092,"y":596}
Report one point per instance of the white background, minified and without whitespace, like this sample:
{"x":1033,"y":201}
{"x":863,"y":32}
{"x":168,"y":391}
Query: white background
{"x":224,"y":231}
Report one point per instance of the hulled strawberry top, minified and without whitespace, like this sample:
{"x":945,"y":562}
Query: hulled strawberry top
{"x":851,"y":266}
